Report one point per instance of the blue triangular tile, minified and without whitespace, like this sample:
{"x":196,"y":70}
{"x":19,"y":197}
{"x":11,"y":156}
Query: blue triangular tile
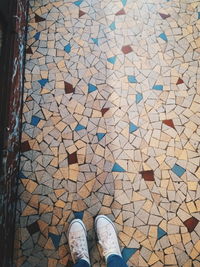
{"x":79,"y":127}
{"x":117,"y":168}
{"x":178,"y":170}
{"x":78,"y":3}
{"x":124,"y":2}
{"x":42,"y":82}
{"x":100,"y":136}
{"x":67,"y":48}
{"x":55,"y":239}
{"x":161,"y":233}
{"x":163,"y":36}
{"x":158,"y":87}
{"x":21,"y":175}
{"x":132,"y":79}
{"x":112,"y":59}
{"x":37,"y":36}
{"x":78,"y":215}
{"x":91,"y":88}
{"x":132,"y":127}
{"x":139,"y":97}
{"x":128,"y":252}
{"x":112,"y":26}
{"x":35,"y":120}
{"x":95,"y":40}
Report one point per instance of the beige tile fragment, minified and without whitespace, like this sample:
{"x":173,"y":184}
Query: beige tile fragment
{"x":192,"y":186}
{"x":60,"y":204}
{"x":170,"y":259}
{"x":153,"y":259}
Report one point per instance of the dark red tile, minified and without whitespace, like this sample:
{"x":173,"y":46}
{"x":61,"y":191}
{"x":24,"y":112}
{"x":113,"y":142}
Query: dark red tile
{"x":29,"y":50}
{"x":104,"y":110}
{"x":38,"y":18}
{"x":180,"y":81}
{"x":72,"y":158}
{"x":81,"y":13}
{"x":33,"y":228}
{"x":121,"y":12}
{"x":69,"y":88}
{"x":191,"y":223}
{"x":169,"y":123}
{"x":164,"y":16}
{"x":25,"y":146}
{"x":148,"y":175}
{"x":126,"y":49}
{"x":29,"y":98}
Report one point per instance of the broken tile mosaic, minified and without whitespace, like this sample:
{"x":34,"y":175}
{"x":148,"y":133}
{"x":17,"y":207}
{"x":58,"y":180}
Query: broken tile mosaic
{"x":111,"y":126}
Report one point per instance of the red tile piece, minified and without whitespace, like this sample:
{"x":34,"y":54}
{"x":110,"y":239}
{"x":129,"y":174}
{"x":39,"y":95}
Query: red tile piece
{"x":29,"y":98}
{"x":38,"y":18}
{"x":104,"y":110}
{"x":191,"y":223}
{"x":148,"y":175}
{"x":180,"y":81}
{"x":25,"y":146}
{"x":169,"y":123}
{"x":81,"y":13}
{"x":68,"y":88}
{"x":164,"y":16}
{"x":29,"y":50}
{"x":72,"y":158}
{"x":126,"y":49}
{"x":121,"y":12}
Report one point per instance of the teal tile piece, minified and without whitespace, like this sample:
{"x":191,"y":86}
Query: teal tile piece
{"x":160,"y":233}
{"x":100,"y":136}
{"x":117,"y":168}
{"x":91,"y":88}
{"x":79,"y":127}
{"x":37,"y":36}
{"x":55,"y":239}
{"x":112,"y":26}
{"x":35,"y":120}
{"x":127,"y":253}
{"x":67,"y":48}
{"x":43,"y":82}
{"x":132,"y":127}
{"x":21,"y":175}
{"x":163,"y":36}
{"x":132,"y":79}
{"x":158,"y":87}
{"x":112,"y":59}
{"x":78,"y":3}
{"x":124,"y":2}
{"x":139,"y":97}
{"x":198,"y":15}
{"x":95,"y":40}
{"x":78,"y":214}
{"x":178,"y":170}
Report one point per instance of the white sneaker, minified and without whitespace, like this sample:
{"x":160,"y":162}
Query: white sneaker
{"x":107,"y":236}
{"x":77,"y":239}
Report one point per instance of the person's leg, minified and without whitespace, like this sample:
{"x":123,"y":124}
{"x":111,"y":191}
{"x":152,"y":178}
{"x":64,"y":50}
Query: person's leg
{"x":108,"y":240}
{"x":116,"y":261}
{"x":77,"y":239}
{"x":81,"y":263}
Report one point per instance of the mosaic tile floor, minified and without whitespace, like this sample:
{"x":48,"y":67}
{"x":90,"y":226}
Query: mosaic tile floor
{"x":111,"y":126}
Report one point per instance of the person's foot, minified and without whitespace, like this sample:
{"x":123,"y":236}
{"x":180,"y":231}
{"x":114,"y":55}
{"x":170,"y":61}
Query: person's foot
{"x":107,"y":236}
{"x":77,"y":239}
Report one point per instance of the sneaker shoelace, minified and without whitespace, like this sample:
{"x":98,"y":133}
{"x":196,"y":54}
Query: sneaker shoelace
{"x":108,"y":244}
{"x":78,"y":248}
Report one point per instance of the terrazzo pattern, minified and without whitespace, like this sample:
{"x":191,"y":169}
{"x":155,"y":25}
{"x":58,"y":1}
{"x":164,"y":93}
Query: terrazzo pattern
{"x":111,"y":126}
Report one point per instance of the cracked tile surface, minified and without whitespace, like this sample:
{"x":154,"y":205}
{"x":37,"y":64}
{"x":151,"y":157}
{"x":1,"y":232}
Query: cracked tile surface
{"x":111,"y":126}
